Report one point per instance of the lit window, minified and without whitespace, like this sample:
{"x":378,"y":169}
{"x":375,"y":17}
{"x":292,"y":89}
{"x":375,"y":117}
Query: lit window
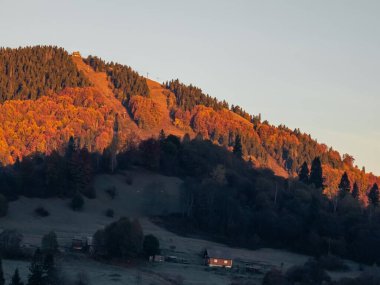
{"x":225,"y":262}
{"x":215,"y":260}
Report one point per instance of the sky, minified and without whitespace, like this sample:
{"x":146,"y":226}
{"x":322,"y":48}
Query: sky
{"x":313,"y":65}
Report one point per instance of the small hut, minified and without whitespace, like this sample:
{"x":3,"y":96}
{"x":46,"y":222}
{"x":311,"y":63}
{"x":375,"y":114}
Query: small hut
{"x":218,"y":258}
{"x":76,"y":54}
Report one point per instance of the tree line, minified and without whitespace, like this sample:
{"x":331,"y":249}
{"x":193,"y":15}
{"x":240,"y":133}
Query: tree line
{"x":125,"y":81}
{"x":229,"y":200}
{"x":31,"y":72}
{"x":223,"y":195}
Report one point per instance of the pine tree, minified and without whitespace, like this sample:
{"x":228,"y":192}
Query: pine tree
{"x":303,"y":174}
{"x":373,"y":195}
{"x":316,"y":174}
{"x":344,"y":185}
{"x":36,"y":275}
{"x":50,"y":269}
{"x":355,"y":191}
{"x":238,"y":148}
{"x":2,"y":280}
{"x":16,"y":280}
{"x":162,"y":135}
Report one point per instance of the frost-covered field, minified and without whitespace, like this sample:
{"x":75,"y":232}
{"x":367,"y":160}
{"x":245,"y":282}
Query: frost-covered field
{"x":149,"y":194}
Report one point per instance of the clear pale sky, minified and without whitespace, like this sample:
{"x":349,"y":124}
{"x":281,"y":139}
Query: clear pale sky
{"x":308,"y":64}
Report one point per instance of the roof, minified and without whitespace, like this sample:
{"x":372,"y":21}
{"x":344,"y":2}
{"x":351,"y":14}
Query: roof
{"x":218,"y":253}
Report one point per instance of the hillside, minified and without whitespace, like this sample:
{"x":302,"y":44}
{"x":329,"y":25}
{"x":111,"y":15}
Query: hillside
{"x":83,"y":100}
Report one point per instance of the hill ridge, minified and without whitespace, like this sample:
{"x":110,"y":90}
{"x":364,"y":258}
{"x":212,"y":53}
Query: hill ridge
{"x":146,"y":107}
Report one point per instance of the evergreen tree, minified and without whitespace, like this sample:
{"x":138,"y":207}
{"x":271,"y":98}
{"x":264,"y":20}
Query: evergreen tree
{"x":31,"y":72}
{"x":373,"y":195}
{"x":344,"y":185}
{"x":151,"y":245}
{"x":303,"y":174}
{"x":36,"y":275}
{"x":355,"y":191}
{"x":162,"y":135}
{"x":238,"y":148}
{"x":16,"y":280}
{"x":316,"y":174}
{"x":2,"y":279}
{"x":50,"y":269}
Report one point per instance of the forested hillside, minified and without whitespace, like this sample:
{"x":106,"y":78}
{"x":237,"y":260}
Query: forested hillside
{"x":143,"y":107}
{"x":29,"y":73}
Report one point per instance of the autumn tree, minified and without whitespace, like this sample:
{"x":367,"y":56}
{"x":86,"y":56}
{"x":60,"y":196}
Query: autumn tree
{"x":316,"y":174}
{"x":303,"y":174}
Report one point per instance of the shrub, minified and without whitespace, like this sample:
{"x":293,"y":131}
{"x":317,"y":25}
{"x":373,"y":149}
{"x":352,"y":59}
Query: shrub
{"x":110,"y":213}
{"x":128,"y":179}
{"x":3,"y":206}
{"x":309,"y":273}
{"x":77,"y":202}
{"x":41,"y":211}
{"x":332,"y":263}
{"x":111,"y":191}
{"x":151,"y":245}
{"x":120,"y":239}
{"x":274,"y":277}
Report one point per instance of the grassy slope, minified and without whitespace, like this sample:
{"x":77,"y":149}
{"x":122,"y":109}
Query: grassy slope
{"x":134,"y":201}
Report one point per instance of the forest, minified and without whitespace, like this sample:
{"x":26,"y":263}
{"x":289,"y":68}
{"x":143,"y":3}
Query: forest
{"x":125,"y":81}
{"x":45,"y":124}
{"x":31,"y":72}
{"x":224,"y":198}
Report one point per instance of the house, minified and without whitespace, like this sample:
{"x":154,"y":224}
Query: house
{"x":76,"y":54}
{"x":157,"y":258}
{"x":218,"y":258}
{"x":77,"y":243}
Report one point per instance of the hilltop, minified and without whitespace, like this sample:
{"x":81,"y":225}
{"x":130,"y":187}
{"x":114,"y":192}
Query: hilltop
{"x":49,"y":96}
{"x":65,"y":121}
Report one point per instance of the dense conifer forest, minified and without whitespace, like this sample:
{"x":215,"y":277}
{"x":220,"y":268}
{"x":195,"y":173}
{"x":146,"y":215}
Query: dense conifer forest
{"x":29,"y":73}
{"x":125,"y":81}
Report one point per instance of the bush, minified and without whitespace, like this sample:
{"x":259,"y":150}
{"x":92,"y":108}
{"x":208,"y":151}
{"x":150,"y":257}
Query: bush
{"x":274,"y":277}
{"x":110,"y":213}
{"x":3,"y":206}
{"x":77,"y":202}
{"x":128,"y":179}
{"x":42,"y":212}
{"x":111,"y":192}
{"x":120,"y":239}
{"x":332,"y":263}
{"x":309,"y":273}
{"x":151,"y":245}
{"x":49,"y":243}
